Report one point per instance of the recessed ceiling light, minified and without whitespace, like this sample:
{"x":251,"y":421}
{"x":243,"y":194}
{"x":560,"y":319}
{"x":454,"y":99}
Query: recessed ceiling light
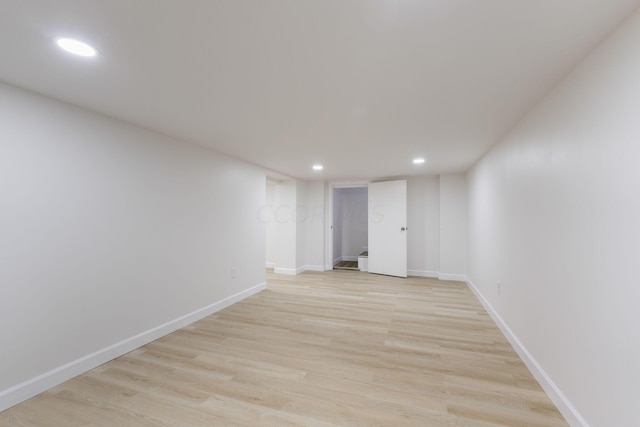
{"x":317,"y":167}
{"x":75,"y":46}
{"x":418,"y":161}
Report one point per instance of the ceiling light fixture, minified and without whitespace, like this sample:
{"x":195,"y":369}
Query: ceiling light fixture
{"x":317,"y":167}
{"x":418,"y":161}
{"x":75,"y":46}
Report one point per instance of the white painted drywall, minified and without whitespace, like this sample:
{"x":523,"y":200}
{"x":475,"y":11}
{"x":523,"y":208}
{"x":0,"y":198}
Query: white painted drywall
{"x":337,"y":225}
{"x":315,"y":224}
{"x":423,"y":220}
{"x":328,"y":226}
{"x":298,"y":226}
{"x":304,"y":202}
{"x":270,"y":225}
{"x":300,"y":217}
{"x":453,"y":226}
{"x":284,"y":217}
{"x":355,"y":221}
{"x":555,"y":217}
{"x":108,"y":231}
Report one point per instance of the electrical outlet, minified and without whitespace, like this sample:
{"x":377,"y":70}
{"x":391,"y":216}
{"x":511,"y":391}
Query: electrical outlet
{"x":499,"y":288}
{"x":234,"y":272}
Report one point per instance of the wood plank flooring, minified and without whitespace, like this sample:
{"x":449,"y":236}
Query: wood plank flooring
{"x":346,"y":265}
{"x":338,"y":348}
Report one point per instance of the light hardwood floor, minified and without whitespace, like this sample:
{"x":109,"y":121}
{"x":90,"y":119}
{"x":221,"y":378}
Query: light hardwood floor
{"x":336,"y":348}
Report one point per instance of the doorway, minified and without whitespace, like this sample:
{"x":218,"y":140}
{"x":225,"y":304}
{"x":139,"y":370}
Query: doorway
{"x":350,"y":228}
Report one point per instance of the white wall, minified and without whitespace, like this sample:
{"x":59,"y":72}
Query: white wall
{"x":295,"y":214}
{"x":285,"y":230}
{"x":554,"y":214}
{"x":315,"y":224}
{"x":423,"y":222}
{"x":270,"y":225}
{"x":453,"y":227}
{"x":427,"y":199}
{"x":354,"y":217}
{"x":109,"y":231}
{"x":328,"y":228}
{"x":300,"y":218}
{"x":337,"y":225}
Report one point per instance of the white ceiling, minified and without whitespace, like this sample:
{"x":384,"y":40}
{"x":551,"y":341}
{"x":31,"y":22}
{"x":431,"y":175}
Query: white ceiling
{"x":362,"y":86}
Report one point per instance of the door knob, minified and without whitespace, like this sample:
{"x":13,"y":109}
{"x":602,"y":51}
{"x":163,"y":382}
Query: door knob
{"x":403,"y":228}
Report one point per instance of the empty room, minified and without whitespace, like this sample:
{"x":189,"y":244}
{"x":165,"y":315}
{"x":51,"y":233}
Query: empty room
{"x":319,"y":213}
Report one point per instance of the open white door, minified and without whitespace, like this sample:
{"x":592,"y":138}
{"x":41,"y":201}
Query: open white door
{"x":388,"y":228}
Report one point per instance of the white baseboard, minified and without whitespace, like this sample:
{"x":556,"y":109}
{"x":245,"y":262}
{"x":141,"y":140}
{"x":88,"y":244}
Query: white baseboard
{"x":455,"y":277}
{"x":422,"y":273}
{"x":570,"y":413}
{"x":314,"y":268}
{"x":270,"y":265}
{"x":23,"y":391}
